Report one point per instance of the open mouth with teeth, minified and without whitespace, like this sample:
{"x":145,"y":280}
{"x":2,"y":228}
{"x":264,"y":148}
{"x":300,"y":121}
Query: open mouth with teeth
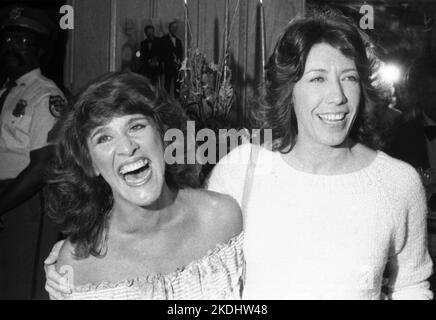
{"x":136,"y":173}
{"x":332,"y":118}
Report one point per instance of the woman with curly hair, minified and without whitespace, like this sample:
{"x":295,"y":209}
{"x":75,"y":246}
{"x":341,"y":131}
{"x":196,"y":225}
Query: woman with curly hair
{"x":135,"y":227}
{"x":325,"y":212}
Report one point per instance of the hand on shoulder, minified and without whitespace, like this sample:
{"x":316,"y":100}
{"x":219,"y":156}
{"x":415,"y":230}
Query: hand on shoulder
{"x":79,"y":271}
{"x":61,"y":278}
{"x":66,"y":256}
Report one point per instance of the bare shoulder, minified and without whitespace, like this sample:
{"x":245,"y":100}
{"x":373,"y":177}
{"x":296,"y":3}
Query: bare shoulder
{"x":219,"y":214}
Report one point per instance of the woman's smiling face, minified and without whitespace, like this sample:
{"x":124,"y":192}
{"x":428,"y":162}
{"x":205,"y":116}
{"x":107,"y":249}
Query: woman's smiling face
{"x":128,"y":153}
{"x":326,"y":99}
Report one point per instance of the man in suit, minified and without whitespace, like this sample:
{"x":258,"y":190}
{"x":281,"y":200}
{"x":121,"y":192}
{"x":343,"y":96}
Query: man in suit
{"x":171,"y":56}
{"x":150,"y":65}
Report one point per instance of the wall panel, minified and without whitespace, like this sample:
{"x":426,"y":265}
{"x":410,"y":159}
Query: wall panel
{"x":91,"y":42}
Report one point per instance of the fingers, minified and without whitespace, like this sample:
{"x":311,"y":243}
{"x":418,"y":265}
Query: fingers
{"x":51,"y":273}
{"x":57,"y":286}
{"x":54,"y":253}
{"x":57,"y":282}
{"x":60,"y":287}
{"x":53,"y":294}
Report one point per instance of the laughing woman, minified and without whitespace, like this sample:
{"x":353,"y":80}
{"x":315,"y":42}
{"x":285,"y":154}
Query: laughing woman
{"x":135,"y":228}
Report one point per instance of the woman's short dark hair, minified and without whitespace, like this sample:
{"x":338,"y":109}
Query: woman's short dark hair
{"x":286,"y":66}
{"x":78,"y":200}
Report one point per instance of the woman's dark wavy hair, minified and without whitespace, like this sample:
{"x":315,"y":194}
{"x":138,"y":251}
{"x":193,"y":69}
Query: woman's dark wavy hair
{"x":78,"y":200}
{"x":286,"y":66}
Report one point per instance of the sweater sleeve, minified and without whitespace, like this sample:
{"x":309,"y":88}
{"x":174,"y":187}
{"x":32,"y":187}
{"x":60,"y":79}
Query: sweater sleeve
{"x":411,"y":265}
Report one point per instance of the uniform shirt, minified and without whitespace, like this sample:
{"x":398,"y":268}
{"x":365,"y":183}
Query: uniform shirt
{"x":25,"y":121}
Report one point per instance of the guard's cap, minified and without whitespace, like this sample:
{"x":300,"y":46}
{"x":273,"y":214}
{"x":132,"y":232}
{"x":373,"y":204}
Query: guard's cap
{"x":27,"y":18}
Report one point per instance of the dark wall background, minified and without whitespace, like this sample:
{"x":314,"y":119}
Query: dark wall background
{"x":398,"y":24}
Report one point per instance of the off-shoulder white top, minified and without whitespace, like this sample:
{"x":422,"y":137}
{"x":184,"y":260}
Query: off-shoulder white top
{"x":218,"y":275}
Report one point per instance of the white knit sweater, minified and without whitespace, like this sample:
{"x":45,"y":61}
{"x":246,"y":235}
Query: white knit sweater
{"x":330,"y":237}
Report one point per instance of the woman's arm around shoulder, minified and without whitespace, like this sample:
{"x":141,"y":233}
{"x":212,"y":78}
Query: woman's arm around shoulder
{"x":59,"y":270}
{"x":66,"y":257}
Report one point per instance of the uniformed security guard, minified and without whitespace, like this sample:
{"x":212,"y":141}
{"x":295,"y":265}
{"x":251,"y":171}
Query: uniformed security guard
{"x":28,"y":103}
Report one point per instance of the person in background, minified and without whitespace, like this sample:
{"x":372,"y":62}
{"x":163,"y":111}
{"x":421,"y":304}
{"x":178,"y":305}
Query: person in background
{"x":414,"y":137}
{"x":149,"y":56}
{"x":28,"y":103}
{"x":171,"y":54}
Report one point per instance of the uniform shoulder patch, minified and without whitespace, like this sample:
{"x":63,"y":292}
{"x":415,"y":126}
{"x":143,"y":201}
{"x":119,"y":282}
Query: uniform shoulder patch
{"x":56,"y":105}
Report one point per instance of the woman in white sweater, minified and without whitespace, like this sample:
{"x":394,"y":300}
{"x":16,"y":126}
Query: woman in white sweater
{"x":327,"y":215}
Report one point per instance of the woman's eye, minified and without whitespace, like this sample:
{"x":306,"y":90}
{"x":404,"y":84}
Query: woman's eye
{"x":137,"y":126}
{"x":352,"y":78}
{"x":103,"y":139}
{"x":317,"y":79}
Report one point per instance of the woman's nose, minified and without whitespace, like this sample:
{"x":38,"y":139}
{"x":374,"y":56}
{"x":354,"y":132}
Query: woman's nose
{"x":127,"y":146}
{"x":336,"y":93}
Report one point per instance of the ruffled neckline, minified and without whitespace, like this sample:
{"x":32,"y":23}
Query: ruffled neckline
{"x":164,"y":278}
